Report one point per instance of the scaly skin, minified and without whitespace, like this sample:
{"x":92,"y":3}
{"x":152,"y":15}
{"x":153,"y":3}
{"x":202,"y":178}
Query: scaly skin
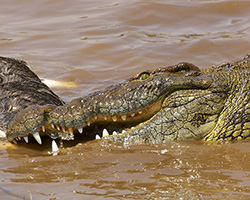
{"x":172,"y":103}
{"x":20,"y":88}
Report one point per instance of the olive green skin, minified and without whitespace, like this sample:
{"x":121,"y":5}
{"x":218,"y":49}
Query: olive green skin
{"x":171,"y":103}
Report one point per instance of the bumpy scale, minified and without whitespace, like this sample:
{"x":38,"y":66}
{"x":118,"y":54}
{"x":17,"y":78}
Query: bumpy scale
{"x":172,"y":103}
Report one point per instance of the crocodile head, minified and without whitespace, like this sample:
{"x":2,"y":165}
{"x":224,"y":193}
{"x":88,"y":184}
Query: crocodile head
{"x":172,"y":103}
{"x":175,"y":102}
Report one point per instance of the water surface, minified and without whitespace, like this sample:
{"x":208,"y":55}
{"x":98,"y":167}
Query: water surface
{"x":97,"y":43}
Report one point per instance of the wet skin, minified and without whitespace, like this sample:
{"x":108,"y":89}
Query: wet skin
{"x":171,"y":103}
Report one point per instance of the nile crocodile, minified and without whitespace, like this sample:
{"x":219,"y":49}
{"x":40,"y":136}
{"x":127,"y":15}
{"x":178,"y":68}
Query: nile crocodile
{"x":176,"y":102}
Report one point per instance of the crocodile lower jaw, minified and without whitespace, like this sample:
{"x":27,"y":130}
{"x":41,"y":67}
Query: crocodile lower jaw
{"x":64,"y":137}
{"x":65,"y":134}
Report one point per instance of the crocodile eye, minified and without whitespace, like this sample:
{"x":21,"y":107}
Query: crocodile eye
{"x":144,"y":75}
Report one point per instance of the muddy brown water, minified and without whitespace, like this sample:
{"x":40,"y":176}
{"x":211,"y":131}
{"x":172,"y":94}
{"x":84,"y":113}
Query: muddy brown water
{"x":97,"y":43}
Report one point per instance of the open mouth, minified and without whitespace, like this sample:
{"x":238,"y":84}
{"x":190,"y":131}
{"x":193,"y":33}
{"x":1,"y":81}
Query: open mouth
{"x":96,"y":127}
{"x":89,"y":119}
{"x":118,"y":109}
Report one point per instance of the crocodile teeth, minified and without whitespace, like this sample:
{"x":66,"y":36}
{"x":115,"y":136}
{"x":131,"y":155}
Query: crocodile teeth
{"x":140,"y":112}
{"x":123,"y":131}
{"x":43,"y":128}
{"x":26,"y":139}
{"x":63,"y":129}
{"x":124,"y":117}
{"x":115,"y":133}
{"x":2,"y":134}
{"x":80,"y":130}
{"x":58,"y":127}
{"x":55,"y":148}
{"x":105,"y":133}
{"x":37,"y":137}
{"x":97,"y":137}
{"x":88,"y":123}
{"x":70,"y":130}
{"x":105,"y":118}
{"x":52,"y":125}
{"x":132,"y":114}
{"x":95,"y":117}
{"x":114,"y":118}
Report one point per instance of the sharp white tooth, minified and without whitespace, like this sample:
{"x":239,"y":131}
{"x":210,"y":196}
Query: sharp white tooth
{"x":2,"y":134}
{"x":124,"y":117}
{"x":115,"y":133}
{"x":105,"y":133}
{"x":105,"y":118}
{"x":26,"y":139}
{"x":19,"y":138}
{"x":80,"y":130}
{"x":132,"y":127}
{"x":132,"y":114}
{"x":52,"y":125}
{"x":114,"y":118}
{"x":140,"y":112}
{"x":70,"y":130}
{"x":37,"y":137}
{"x":123,"y":131}
{"x":43,"y":128}
{"x":63,"y":129}
{"x":58,"y":127}
{"x":55,"y":148}
{"x":95,"y":117}
{"x":97,"y":137}
{"x":88,"y":124}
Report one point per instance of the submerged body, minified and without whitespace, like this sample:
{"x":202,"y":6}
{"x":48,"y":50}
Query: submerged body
{"x":172,"y":103}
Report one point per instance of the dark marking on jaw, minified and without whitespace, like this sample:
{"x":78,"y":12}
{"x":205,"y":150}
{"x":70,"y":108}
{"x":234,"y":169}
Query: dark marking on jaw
{"x":199,"y":119}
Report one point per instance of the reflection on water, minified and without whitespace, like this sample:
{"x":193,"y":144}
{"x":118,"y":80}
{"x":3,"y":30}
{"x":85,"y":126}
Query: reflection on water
{"x":98,"y":43}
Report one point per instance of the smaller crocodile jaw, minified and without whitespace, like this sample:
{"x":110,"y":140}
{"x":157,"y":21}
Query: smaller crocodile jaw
{"x":23,"y":123}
